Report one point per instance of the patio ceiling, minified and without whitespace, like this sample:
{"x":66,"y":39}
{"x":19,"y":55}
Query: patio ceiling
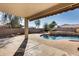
{"x":36,"y":10}
{"x":25,"y":9}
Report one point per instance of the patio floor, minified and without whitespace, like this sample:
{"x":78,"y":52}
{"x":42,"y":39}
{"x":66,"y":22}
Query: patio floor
{"x":11,"y":47}
{"x":35,"y":48}
{"x":38,"y":46}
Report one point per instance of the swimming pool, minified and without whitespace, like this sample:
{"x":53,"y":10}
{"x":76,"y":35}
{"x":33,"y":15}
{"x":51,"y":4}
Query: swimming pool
{"x":59,"y":37}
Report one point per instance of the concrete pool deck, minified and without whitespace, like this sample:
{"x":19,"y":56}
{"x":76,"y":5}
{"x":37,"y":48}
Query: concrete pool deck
{"x":38,"y":46}
{"x":35,"y":48}
{"x":70,"y":47}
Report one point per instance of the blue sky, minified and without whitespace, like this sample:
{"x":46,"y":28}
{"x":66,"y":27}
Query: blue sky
{"x":69,"y":17}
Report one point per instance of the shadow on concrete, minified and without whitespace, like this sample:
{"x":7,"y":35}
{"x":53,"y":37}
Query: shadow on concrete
{"x":21,"y":49}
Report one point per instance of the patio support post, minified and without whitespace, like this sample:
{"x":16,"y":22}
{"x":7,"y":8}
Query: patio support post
{"x":26,"y":28}
{"x":21,"y":49}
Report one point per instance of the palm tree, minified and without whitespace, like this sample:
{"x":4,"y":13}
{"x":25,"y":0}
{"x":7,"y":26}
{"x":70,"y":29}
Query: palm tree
{"x":37,"y":23}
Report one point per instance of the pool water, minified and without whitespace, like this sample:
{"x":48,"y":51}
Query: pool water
{"x":60,"y":37}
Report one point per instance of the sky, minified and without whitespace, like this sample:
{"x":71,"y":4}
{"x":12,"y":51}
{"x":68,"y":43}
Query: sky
{"x":0,"y":18}
{"x":69,"y":17}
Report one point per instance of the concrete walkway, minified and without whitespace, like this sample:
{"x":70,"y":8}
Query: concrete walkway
{"x":12,"y":46}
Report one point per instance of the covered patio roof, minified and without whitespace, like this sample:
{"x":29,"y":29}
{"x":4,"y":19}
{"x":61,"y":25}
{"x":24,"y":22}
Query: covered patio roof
{"x":36,"y":10}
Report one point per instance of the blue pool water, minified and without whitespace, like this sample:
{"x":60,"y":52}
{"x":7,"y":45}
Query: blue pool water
{"x":60,"y":37}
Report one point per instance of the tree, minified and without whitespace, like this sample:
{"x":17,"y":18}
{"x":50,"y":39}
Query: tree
{"x":15,"y":22}
{"x":11,"y":20}
{"x":37,"y":23}
{"x":46,"y":27}
{"x":52,"y":24}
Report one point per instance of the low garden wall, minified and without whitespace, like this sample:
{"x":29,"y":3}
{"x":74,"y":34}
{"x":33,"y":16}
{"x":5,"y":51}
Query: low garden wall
{"x":10,"y":31}
{"x":16,"y":31}
{"x":64,"y":33}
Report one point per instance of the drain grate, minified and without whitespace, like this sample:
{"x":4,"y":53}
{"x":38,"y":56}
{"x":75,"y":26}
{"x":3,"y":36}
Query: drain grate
{"x":21,"y":49}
